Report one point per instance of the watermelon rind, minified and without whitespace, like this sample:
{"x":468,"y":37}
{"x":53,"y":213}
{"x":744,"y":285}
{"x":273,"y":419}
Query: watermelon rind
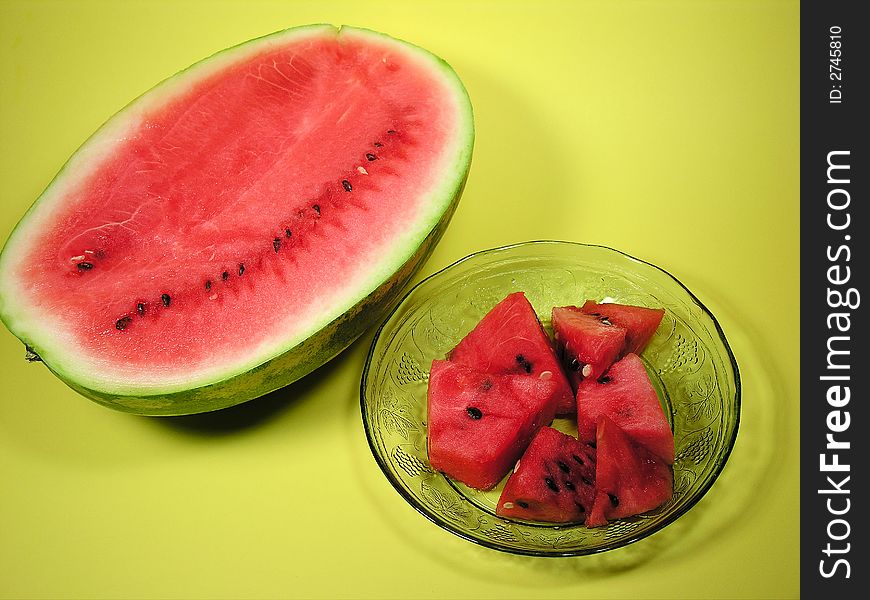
{"x":325,"y":337}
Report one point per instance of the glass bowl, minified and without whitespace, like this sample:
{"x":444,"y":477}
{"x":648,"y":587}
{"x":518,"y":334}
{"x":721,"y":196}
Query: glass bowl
{"x":688,"y":359}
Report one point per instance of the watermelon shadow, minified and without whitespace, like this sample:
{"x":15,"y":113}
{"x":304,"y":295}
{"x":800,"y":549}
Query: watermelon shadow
{"x":248,"y":415}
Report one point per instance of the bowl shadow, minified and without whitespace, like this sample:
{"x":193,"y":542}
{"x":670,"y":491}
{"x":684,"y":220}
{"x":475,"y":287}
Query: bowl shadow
{"x":762,"y":439}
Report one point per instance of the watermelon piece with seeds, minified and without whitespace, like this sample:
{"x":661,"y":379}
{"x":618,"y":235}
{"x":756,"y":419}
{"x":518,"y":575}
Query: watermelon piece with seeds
{"x":588,"y":344}
{"x":626,"y":395}
{"x":629,"y":480}
{"x":510,"y":339}
{"x":478,"y":424}
{"x":554,"y":481}
{"x":640,"y":323}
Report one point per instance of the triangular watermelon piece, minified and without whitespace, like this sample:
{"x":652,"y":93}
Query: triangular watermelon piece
{"x":639,"y":322}
{"x":510,"y":339}
{"x":554,"y":481}
{"x":479,"y":424}
{"x":629,"y":480}
{"x":626,"y":395}
{"x":589,"y":345}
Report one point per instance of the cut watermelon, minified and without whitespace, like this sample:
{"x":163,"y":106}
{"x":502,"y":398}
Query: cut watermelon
{"x":510,"y":339}
{"x":589,"y":345}
{"x":626,"y":395}
{"x":480,"y":423}
{"x":640,"y":323}
{"x":242,"y":222}
{"x":629,"y":480}
{"x":554,"y":480}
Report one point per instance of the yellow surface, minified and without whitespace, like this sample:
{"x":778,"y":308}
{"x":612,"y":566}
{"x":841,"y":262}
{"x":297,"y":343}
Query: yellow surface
{"x":668,"y":130}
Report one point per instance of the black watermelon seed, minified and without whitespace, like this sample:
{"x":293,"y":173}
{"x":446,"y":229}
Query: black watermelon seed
{"x":522,"y":504}
{"x":241,"y":269}
{"x":84,"y":266}
{"x":140,"y":309}
{"x":276,"y":244}
{"x":551,"y":484}
{"x":586,"y":480}
{"x":165,"y":299}
{"x":565,"y":468}
{"x":371,"y":156}
{"x":225,"y":275}
{"x":316,"y":207}
{"x":595,"y":314}
{"x":121,"y":324}
{"x":208,"y":284}
{"x":604,"y":379}
{"x":570,"y":486}
{"x":590,"y":444}
{"x":474,"y":412}
{"x":580,"y":506}
{"x":526,"y":365}
{"x":378,"y":145}
{"x":288,"y":233}
{"x":346,"y":185}
{"x":578,"y":459}
{"x":576,"y":365}
{"x":613,"y":499}
{"x":391,"y":131}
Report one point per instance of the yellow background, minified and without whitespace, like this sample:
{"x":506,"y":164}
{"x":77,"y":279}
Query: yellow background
{"x":666,"y":129}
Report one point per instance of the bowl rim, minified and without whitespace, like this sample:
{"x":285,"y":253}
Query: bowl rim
{"x":722,"y":460}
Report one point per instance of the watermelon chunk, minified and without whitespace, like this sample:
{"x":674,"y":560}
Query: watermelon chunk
{"x":479,"y":423}
{"x":640,"y":323}
{"x":510,"y":339}
{"x":589,"y":344}
{"x":241,"y":223}
{"x":554,"y":480}
{"x":629,"y":479}
{"x":626,"y":395}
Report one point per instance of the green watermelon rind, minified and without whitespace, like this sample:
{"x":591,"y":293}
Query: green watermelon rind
{"x":324,"y":339}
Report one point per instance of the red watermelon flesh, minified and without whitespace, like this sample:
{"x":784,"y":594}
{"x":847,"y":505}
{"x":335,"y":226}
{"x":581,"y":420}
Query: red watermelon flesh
{"x":510,"y":339}
{"x":629,"y":479}
{"x":626,"y":395}
{"x":589,"y":345}
{"x":640,"y":323}
{"x":479,"y":423}
{"x":554,"y":480}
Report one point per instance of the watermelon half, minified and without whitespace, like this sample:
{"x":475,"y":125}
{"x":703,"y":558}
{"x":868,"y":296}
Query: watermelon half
{"x":241,"y":223}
